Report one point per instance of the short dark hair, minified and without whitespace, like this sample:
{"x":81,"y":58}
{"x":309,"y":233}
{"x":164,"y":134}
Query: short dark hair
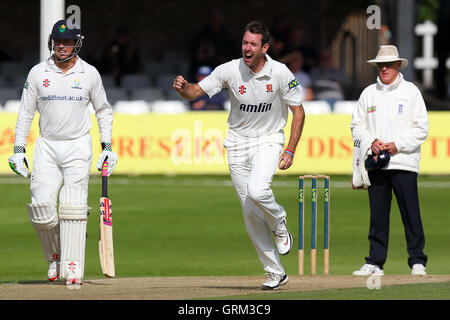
{"x":257,"y":27}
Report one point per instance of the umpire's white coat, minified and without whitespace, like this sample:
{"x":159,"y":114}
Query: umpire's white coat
{"x":393,"y":113}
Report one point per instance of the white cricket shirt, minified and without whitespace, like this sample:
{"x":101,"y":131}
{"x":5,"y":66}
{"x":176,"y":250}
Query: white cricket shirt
{"x":394,"y":113}
{"x":259,"y":102}
{"x":62,"y":101}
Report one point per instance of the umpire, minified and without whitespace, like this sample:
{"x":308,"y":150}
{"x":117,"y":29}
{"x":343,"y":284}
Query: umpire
{"x":392,"y":114}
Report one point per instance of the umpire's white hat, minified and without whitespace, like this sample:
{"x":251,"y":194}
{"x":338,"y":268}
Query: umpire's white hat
{"x":388,"y":53}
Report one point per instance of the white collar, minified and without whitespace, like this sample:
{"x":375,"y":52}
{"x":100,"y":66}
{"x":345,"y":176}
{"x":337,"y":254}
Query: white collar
{"x":51,"y":66}
{"x":265,"y":71}
{"x":391,"y":86}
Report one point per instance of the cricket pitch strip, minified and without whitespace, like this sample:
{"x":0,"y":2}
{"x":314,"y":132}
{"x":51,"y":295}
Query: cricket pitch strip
{"x":185,"y":288}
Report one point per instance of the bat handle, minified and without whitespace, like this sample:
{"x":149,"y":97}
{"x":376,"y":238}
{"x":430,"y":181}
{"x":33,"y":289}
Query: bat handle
{"x":105,"y":168}
{"x":105,"y":179}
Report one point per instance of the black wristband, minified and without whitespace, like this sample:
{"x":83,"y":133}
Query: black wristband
{"x":19,"y":149}
{"x":106,"y":146}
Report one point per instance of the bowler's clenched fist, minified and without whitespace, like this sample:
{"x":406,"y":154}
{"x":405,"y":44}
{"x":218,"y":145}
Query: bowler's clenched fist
{"x":179,"y":83}
{"x":189,"y":91}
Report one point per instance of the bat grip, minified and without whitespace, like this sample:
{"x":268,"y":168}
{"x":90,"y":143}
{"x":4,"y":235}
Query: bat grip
{"x":105,"y":179}
{"x":105,"y":167}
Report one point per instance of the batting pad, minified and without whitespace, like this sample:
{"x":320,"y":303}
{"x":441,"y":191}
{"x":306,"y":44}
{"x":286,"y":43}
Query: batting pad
{"x":44,"y":218}
{"x":73,"y":211}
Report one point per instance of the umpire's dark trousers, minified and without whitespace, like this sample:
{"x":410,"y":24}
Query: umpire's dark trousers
{"x":404,"y":185}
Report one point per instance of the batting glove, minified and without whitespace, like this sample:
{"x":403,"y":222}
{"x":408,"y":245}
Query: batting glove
{"x":18,"y":162}
{"x":107,"y":154}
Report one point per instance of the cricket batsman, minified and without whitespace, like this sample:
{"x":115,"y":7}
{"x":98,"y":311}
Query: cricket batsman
{"x":262,"y":91}
{"x":60,"y":89}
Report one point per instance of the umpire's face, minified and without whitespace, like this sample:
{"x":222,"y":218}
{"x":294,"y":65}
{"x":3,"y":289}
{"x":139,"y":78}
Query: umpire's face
{"x":253,"y":51}
{"x":388,"y":71}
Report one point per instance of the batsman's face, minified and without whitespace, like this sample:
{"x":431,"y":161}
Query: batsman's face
{"x":253,"y":51}
{"x":388,"y":71}
{"x":63,"y":47}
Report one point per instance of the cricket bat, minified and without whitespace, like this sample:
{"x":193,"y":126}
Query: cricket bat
{"x":105,"y":244}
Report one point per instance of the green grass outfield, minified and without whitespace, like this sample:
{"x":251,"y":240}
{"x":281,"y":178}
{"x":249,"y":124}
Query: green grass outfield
{"x":193,"y":226}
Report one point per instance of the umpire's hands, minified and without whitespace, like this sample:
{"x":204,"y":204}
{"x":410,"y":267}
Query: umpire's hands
{"x":112,"y":160}
{"x":377,"y":146}
{"x":390,"y":147}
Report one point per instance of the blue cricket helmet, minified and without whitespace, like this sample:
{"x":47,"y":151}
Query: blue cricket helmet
{"x":61,"y":30}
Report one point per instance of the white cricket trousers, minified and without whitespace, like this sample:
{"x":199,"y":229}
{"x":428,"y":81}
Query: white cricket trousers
{"x":252,"y":172}
{"x":58,"y":161}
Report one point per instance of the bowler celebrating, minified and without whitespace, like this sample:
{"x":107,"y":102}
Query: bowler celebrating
{"x":261,"y":92}
{"x":60,"y":89}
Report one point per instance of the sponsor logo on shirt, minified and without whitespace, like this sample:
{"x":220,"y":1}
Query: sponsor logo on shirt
{"x":77,"y":84}
{"x":293,"y":84}
{"x":262,"y":107}
{"x":400,"y":108}
{"x":46,"y":83}
{"x":25,"y":85}
{"x":53,"y":97}
{"x":242,"y":89}
{"x":269,"y":88}
{"x":371,"y":109}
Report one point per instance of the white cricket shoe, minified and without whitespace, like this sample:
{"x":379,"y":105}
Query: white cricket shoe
{"x":418,"y":269}
{"x":283,"y":238}
{"x":369,"y":269}
{"x":274,"y":281}
{"x":53,"y":270}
